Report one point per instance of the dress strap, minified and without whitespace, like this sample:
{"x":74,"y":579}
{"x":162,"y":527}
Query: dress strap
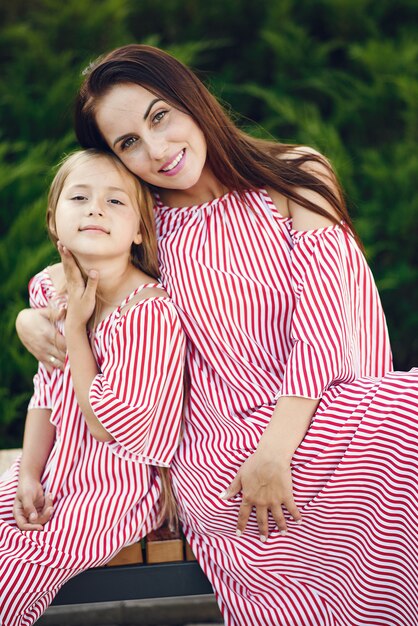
{"x":154,"y":285}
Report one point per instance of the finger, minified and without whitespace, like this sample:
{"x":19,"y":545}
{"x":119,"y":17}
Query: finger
{"x":47,"y":511}
{"x":262,"y":522}
{"x":56,"y":314}
{"x":29,"y":526}
{"x":234,"y":488}
{"x":277,"y":513}
{"x":71,"y":270}
{"x":243,"y":516}
{"x":29,"y":511}
{"x":22,"y":522}
{"x":293,"y":510}
{"x":91,"y":286}
{"x":61,"y":349}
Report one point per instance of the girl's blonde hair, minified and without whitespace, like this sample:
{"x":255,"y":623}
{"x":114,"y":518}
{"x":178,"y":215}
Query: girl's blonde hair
{"x":144,"y":256}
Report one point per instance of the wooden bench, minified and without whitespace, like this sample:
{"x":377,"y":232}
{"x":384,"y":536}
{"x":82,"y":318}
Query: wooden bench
{"x":160,"y":566}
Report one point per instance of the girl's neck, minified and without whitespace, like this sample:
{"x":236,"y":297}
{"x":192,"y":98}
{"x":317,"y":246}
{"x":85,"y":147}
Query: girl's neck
{"x":116,"y":280}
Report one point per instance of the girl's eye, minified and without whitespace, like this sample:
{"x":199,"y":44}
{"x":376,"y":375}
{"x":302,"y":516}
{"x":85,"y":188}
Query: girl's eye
{"x":128,"y":143}
{"x":159,"y":116}
{"x":115,"y":201}
{"x":78,"y":198}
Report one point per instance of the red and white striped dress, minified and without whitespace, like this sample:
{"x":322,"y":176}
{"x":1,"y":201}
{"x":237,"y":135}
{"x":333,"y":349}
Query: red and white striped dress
{"x":269,"y":311}
{"x":106,"y":494}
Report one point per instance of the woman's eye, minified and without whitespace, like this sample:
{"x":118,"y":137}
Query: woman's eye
{"x":128,"y":143}
{"x":158,"y":117}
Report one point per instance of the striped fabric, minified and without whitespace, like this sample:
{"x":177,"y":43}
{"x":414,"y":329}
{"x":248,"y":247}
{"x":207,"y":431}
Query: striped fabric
{"x":105,"y":493}
{"x":269,"y":311}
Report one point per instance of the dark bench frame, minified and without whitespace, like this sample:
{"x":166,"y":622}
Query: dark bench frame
{"x":135,"y":582}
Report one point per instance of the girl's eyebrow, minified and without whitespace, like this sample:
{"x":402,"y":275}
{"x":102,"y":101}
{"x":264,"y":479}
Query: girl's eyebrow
{"x":88,"y":187}
{"x":148,"y":109}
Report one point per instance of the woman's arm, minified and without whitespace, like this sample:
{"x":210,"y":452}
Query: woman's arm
{"x":32,"y":508}
{"x":265,"y":478}
{"x":36,"y":327}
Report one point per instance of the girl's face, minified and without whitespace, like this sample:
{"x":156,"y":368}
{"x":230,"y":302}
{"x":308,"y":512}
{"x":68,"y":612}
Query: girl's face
{"x":157,"y":142}
{"x":97,"y":212}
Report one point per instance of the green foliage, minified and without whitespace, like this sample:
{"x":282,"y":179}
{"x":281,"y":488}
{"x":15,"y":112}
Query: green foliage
{"x":339,"y":75}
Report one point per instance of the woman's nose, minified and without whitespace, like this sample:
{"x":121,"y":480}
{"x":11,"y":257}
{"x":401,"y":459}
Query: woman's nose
{"x":157,"y":149}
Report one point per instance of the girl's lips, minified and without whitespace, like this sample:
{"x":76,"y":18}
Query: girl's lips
{"x":176,"y":169}
{"x":93,"y":227}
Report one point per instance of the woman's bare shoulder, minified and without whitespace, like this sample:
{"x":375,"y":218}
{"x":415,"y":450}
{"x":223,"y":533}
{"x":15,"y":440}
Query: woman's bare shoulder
{"x":313,"y":162}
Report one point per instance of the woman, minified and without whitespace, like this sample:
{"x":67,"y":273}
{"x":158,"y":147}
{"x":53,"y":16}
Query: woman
{"x":296,"y":474}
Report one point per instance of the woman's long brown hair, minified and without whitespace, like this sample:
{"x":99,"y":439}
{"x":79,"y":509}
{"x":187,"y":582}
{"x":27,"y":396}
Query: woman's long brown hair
{"x":237,"y":160}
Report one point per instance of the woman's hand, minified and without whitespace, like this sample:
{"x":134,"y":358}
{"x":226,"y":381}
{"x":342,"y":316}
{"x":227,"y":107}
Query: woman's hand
{"x":37,"y":331}
{"x":266,"y":484}
{"x":32,"y":508}
{"x":81,"y":296}
{"x":265,"y":478}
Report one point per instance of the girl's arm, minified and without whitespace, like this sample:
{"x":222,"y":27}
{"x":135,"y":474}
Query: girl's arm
{"x":84,"y":369}
{"x":32,"y":508}
{"x":83,"y":366}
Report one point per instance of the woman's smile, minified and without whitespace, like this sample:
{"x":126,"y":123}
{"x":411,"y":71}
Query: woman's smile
{"x":173,"y":167}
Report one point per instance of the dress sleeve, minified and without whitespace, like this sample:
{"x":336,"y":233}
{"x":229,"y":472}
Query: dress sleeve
{"x":42,"y":390}
{"x":39,"y":289}
{"x":138,"y":395}
{"x":335,"y":295}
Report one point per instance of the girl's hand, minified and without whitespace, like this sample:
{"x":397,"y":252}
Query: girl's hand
{"x":32,"y":508}
{"x":38,"y":333}
{"x":266,"y":484}
{"x":81,"y":296}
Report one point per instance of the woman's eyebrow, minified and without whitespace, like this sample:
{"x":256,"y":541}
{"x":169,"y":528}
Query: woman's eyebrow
{"x":151,"y":104}
{"x":149,"y":107}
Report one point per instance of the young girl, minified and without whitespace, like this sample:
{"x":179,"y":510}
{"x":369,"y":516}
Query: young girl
{"x":87,"y":483}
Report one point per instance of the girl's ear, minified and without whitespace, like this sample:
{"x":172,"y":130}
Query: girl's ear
{"x":137,"y":239}
{"x":51,"y":223}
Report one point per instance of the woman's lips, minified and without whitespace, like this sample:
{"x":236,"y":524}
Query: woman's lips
{"x":172,"y":167}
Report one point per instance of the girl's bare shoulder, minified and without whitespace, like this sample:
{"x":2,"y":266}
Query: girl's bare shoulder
{"x":57,"y":276}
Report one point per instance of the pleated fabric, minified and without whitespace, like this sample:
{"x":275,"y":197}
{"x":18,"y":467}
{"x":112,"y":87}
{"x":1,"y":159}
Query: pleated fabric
{"x":106,"y":493}
{"x":271,"y":311}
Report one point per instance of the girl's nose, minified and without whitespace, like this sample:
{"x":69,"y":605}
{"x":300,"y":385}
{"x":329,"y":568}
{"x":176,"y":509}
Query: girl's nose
{"x":95,"y":208}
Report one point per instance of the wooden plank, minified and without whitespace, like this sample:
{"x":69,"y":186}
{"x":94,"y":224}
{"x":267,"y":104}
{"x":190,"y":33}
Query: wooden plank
{"x":188,"y":552}
{"x":129,"y":555}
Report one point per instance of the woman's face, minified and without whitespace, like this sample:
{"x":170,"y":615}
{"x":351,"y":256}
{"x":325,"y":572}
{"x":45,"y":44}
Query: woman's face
{"x":157,"y":142}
